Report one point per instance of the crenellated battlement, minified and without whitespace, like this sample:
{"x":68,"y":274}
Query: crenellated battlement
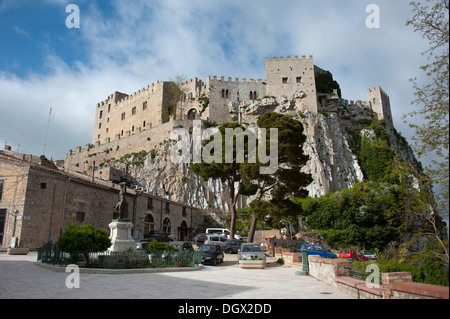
{"x":119,"y":97}
{"x":236,"y":80}
{"x":288,"y":58}
{"x":376,"y":89}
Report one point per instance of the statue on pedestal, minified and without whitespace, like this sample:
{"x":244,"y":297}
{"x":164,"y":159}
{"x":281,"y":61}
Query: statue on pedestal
{"x":122,"y":205}
{"x":120,"y":233}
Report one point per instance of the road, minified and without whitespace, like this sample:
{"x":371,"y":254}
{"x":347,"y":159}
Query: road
{"x":21,"y":278}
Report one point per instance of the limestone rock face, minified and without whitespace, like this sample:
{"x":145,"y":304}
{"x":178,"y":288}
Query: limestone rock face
{"x":332,"y":163}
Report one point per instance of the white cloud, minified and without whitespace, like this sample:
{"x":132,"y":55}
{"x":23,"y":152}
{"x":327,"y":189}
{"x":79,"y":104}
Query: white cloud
{"x":155,"y":40}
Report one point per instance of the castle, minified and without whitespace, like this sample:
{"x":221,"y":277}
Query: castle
{"x":142,"y":120}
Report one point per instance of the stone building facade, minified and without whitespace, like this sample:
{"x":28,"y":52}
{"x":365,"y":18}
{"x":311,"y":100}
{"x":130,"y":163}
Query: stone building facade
{"x":38,"y":201}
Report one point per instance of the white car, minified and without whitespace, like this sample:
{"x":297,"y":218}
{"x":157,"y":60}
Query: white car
{"x":215,"y":239}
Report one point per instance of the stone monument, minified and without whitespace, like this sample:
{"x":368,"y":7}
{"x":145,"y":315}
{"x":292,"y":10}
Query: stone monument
{"x":120,"y":233}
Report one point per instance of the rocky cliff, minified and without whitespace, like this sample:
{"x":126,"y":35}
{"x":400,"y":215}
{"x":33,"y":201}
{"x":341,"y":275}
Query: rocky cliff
{"x":330,"y":145}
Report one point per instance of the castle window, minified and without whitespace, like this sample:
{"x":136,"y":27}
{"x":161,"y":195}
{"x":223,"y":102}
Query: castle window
{"x":107,"y":120}
{"x":100,"y":115}
{"x":223,"y":93}
{"x":284,"y":80}
{"x":149,"y":203}
{"x":226,"y":94}
{"x":132,"y":128}
{"x":143,"y":124}
{"x":1,"y":188}
{"x":254,"y":95}
{"x":122,"y":117}
{"x":251,"y":95}
{"x":133,"y":111}
{"x":374,"y":101}
{"x":299,"y":79}
{"x":80,"y":216}
{"x":99,"y":125}
{"x":121,"y":133}
{"x":43,"y":185}
{"x":107,"y":130}
{"x":144,"y":105}
{"x":109,"y":107}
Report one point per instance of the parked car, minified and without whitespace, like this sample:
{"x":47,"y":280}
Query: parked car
{"x":313,"y":249}
{"x":231,"y":246}
{"x":351,"y":254}
{"x":182,"y":245}
{"x":211,"y":254}
{"x":159,"y":236}
{"x":223,"y":232}
{"x":251,"y":251}
{"x":142,"y":244}
{"x":370,"y":254}
{"x":215,"y":239}
{"x":199,"y":239}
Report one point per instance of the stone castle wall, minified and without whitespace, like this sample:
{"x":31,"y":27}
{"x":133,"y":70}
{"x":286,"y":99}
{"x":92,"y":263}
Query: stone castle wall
{"x":131,"y":123}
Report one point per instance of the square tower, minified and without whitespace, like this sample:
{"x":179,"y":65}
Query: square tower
{"x":290,"y":76}
{"x":379,"y":101}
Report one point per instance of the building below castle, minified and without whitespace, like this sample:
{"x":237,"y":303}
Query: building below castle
{"x":38,"y":201}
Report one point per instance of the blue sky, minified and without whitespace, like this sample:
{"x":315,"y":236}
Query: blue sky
{"x":126,"y":45}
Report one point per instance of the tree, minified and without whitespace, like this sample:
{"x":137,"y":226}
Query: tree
{"x":82,"y":239}
{"x":225,"y":165}
{"x":287,"y":181}
{"x":432,"y":97}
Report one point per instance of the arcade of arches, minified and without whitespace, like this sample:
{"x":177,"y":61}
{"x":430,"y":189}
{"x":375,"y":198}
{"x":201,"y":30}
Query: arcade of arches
{"x":184,"y":233}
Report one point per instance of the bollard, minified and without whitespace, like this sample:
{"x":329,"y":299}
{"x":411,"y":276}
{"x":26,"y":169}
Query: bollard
{"x":305,"y":266}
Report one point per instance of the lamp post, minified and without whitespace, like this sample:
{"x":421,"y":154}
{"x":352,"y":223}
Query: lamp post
{"x":305,"y":266}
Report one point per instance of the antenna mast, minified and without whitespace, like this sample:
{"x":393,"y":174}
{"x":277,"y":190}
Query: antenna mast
{"x":46,"y":133}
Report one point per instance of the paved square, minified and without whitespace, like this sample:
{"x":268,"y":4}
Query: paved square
{"x":21,"y":278}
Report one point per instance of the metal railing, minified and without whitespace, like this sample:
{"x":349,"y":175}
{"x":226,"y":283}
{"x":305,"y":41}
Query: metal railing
{"x":50,"y":254}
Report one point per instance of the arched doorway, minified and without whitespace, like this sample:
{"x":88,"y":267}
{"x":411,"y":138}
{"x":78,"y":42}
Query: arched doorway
{"x":167,"y":227}
{"x":192,"y":114}
{"x":184,"y":232}
{"x":149,"y":225}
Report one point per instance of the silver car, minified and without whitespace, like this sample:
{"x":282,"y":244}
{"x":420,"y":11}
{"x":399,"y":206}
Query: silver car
{"x":251,"y":251}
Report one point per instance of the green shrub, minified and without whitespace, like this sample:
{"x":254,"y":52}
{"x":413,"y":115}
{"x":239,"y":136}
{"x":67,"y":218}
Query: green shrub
{"x":157,"y":246}
{"x":82,"y":238}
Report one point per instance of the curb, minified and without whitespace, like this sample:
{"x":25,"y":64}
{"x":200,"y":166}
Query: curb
{"x":119,"y":271}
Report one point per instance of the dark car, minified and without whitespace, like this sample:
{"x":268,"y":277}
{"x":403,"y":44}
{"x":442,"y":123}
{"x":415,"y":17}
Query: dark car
{"x":182,"y":245}
{"x":231,"y":246}
{"x":159,"y":236}
{"x":211,"y":254}
{"x":142,"y":244}
{"x":199,"y":239}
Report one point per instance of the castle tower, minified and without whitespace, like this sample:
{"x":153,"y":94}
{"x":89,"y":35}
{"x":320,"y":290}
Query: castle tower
{"x":290,"y":76}
{"x":379,"y":101}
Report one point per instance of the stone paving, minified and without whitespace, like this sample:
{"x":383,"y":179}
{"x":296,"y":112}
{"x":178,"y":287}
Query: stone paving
{"x":20,"y":277}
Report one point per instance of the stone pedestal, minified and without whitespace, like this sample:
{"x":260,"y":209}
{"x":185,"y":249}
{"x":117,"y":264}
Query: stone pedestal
{"x":120,"y":236}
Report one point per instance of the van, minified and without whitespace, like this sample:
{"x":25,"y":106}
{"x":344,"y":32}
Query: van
{"x":222,"y":231}
{"x":215,"y":239}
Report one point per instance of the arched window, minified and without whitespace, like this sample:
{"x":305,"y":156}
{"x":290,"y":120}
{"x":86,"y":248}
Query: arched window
{"x":374,"y":100}
{"x":251,"y":95}
{"x":149,"y":224}
{"x":167,"y":227}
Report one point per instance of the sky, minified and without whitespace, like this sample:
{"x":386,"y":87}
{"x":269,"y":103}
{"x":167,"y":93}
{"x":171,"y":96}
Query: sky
{"x":126,"y":45}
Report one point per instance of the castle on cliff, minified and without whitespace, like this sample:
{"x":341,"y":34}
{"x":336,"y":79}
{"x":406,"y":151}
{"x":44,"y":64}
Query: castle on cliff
{"x":127,"y":123}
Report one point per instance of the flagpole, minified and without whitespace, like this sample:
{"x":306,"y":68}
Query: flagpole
{"x":46,"y":133}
